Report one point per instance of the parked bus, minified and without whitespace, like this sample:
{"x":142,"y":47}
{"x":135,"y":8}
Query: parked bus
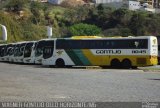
{"x":12,"y":52}
{"x":19,"y":52}
{"x":126,"y":52}
{"x":29,"y":52}
{"x":39,"y":51}
{"x":2,"y":52}
{"x":7,"y":50}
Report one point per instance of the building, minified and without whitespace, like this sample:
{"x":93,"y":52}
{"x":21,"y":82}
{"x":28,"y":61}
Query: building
{"x":40,"y":0}
{"x":105,"y":1}
{"x":153,"y":3}
{"x":55,"y":1}
{"x":134,"y":5}
{"x":131,"y":5}
{"x":60,"y":1}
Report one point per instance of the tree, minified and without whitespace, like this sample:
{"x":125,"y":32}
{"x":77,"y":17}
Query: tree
{"x":117,"y":32}
{"x":14,"y":30}
{"x":16,"y":5}
{"x":84,"y":29}
{"x":137,"y":23}
{"x":152,"y":24}
{"x":36,"y":9}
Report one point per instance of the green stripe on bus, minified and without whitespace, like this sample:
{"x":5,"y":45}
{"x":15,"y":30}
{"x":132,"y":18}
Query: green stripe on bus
{"x":82,"y":57}
{"x":74,"y":57}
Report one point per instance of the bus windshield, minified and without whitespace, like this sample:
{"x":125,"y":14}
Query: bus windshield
{"x":28,"y":49}
{"x":16,"y":50}
{"x":39,"y":48}
{"x":21,"y":49}
{"x":48,"y":49}
{"x":8,"y":48}
{"x":11,"y":51}
{"x":2,"y":52}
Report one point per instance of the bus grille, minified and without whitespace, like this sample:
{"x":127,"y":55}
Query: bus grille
{"x":141,"y":61}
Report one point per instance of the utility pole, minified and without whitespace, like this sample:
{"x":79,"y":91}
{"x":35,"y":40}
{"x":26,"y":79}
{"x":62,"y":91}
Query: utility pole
{"x":4,"y":32}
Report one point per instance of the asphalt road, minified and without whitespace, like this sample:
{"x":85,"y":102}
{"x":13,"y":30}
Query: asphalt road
{"x":36,"y":83}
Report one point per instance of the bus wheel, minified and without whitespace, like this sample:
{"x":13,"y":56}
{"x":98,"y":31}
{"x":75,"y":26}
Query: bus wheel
{"x":134,"y":67}
{"x":60,"y":63}
{"x":51,"y":66}
{"x":115,"y":63}
{"x":126,"y":64}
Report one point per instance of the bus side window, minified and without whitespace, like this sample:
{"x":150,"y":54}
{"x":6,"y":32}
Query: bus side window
{"x":143,"y":44}
{"x":106,"y":44}
{"x":132,"y":44}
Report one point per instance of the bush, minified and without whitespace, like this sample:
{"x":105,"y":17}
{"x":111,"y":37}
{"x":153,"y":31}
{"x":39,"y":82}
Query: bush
{"x":84,"y":29}
{"x":71,"y":3}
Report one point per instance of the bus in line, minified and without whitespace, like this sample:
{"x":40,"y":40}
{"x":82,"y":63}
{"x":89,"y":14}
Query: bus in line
{"x":29,"y":52}
{"x":8,"y":48}
{"x":2,"y":51}
{"x":19,"y":52}
{"x":126,"y":52}
{"x":39,"y":51}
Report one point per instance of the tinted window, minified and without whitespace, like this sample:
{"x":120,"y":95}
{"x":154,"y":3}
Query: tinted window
{"x":158,"y":47}
{"x":41,"y":45}
{"x":39,"y":48}
{"x":102,"y":44}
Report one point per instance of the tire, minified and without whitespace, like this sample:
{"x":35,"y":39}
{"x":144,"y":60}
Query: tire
{"x":60,"y":63}
{"x":115,"y":63}
{"x":134,"y":67}
{"x":126,"y":64}
{"x":51,"y":66}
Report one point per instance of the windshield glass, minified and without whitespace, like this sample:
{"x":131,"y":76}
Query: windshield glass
{"x":16,"y":51}
{"x":48,"y":49}
{"x":28,"y":49}
{"x":39,"y":48}
{"x":21,"y":49}
{"x":2,"y":52}
{"x":11,"y":50}
{"x":8,"y":48}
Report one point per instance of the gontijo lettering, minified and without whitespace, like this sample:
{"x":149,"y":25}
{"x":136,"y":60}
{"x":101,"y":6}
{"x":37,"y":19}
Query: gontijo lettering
{"x":108,"y":52}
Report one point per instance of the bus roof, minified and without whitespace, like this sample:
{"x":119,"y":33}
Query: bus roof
{"x":81,"y":37}
{"x":107,"y":38}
